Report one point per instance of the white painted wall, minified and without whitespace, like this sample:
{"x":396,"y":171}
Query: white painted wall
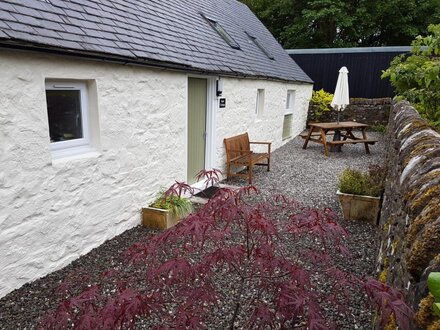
{"x":52,"y":212}
{"x":239,"y":115}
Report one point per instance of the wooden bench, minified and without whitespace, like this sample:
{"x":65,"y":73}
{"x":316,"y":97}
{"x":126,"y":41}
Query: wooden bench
{"x":239,"y":155}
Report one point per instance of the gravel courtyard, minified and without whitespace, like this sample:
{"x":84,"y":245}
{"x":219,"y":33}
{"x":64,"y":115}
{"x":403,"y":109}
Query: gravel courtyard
{"x":305,"y":175}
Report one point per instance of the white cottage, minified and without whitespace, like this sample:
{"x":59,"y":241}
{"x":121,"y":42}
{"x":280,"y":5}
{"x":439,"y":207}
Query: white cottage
{"x":104,"y":102}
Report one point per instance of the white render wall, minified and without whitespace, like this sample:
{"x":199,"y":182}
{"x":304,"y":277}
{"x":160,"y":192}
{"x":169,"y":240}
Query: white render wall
{"x":53,"y":211}
{"x":240,"y":116}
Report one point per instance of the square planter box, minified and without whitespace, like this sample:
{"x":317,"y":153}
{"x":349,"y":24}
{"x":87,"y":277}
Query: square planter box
{"x":362,"y":208}
{"x":158,"y":218}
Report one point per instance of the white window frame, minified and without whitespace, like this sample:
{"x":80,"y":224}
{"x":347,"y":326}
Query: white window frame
{"x":290,"y":105}
{"x":290,"y":101}
{"x":85,"y":140}
{"x":259,"y":106}
{"x":288,"y":136}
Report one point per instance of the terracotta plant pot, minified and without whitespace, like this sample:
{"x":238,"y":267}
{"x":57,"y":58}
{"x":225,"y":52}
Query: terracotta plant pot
{"x":158,"y":218}
{"x":361,"y":208}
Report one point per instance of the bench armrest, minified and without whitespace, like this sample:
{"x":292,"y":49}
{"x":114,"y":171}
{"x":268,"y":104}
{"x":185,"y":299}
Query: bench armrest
{"x":260,"y":142}
{"x":267,"y":143}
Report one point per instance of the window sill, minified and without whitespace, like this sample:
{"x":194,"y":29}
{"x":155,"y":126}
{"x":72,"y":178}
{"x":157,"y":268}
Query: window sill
{"x":73,"y":154}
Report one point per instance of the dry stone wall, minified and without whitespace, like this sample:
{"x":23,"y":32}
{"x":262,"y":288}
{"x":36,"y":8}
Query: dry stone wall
{"x":410,"y":217}
{"x":368,"y":111}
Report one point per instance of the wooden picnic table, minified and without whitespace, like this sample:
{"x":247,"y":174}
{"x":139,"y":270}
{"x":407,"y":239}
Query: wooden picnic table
{"x":318,"y":133}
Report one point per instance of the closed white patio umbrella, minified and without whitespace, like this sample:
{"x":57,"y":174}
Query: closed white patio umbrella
{"x":341,"y":97}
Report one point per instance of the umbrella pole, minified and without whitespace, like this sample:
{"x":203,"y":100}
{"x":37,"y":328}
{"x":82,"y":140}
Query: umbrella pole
{"x":338,"y":117}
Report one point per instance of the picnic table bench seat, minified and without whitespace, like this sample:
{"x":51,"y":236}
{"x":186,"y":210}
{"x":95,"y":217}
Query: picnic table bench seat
{"x":239,"y":155}
{"x":305,"y":133}
{"x":369,"y":141}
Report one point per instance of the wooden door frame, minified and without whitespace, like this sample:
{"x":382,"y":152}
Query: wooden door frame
{"x":211,"y":108}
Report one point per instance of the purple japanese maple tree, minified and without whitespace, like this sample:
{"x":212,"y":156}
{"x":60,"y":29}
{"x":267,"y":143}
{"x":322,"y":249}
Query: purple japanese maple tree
{"x":229,"y":263}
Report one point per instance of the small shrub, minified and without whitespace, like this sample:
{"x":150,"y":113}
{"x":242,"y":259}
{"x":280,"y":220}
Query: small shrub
{"x":356,"y":182}
{"x":380,"y":128}
{"x":173,"y":199}
{"x":321,"y":101}
{"x":375,"y":179}
{"x":352,"y":182}
{"x":175,"y":204}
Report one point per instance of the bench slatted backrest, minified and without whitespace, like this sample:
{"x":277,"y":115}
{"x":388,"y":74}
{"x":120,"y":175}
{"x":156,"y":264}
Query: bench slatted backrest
{"x":237,"y":146}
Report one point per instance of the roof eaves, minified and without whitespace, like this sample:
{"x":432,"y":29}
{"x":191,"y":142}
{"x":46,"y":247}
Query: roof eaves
{"x":384,"y":49}
{"x":129,"y":58}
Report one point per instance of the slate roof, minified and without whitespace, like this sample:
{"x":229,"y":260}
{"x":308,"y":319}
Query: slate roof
{"x":168,"y":33}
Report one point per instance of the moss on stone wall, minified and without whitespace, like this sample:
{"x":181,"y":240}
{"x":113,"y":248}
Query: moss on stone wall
{"x":423,"y":145}
{"x":409,"y":126}
{"x":387,"y":225}
{"x":394,"y":246}
{"x":383,"y":275}
{"x":424,"y":197}
{"x":424,"y":249}
{"x":430,"y":177}
{"x":391,"y":325}
{"x":434,"y":326}
{"x":430,"y":214}
{"x":410,"y":215}
{"x":425,"y":316}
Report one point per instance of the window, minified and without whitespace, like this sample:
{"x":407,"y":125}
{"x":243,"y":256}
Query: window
{"x":68,"y":115}
{"x":222,"y":32}
{"x":259,"y":109}
{"x":290,"y":101}
{"x":288,"y":114}
{"x":262,"y":48}
{"x":287,"y":126}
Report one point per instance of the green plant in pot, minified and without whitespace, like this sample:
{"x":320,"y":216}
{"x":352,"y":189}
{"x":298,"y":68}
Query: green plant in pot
{"x":169,"y":207}
{"x":360,"y":193}
{"x":176,"y":205}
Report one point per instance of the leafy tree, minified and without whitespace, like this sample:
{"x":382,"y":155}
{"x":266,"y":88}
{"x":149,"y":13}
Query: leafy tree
{"x":417,"y":77}
{"x":343,"y":23}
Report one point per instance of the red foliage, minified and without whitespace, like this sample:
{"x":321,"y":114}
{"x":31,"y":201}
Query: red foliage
{"x":228,"y":256}
{"x":389,"y":301}
{"x":178,"y":189}
{"x":211,"y":177}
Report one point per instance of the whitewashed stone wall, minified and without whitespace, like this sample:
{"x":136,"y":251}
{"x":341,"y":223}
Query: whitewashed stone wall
{"x":240,"y":116}
{"x":52,"y":212}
